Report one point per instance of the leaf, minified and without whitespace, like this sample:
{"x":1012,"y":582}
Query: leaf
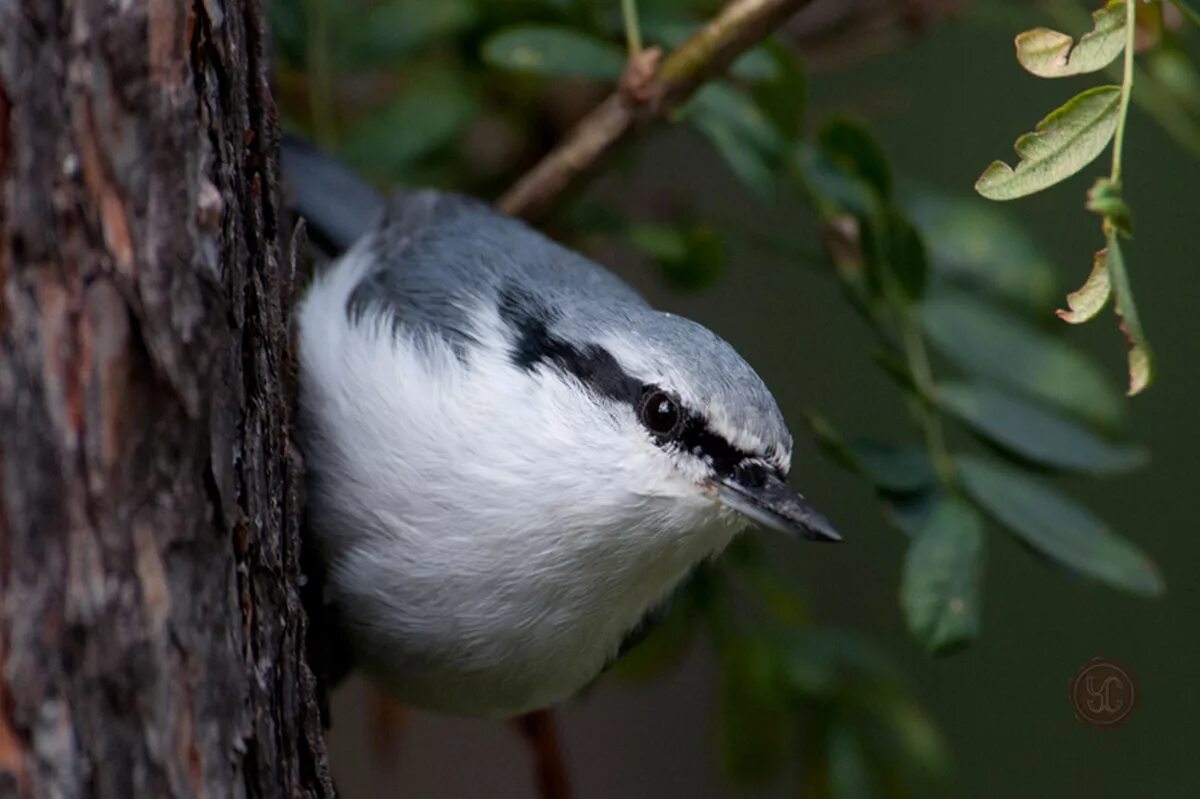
{"x":691,"y":258}
{"x":979,"y":246}
{"x":939,"y":590}
{"x":983,"y":340}
{"x":836,"y":188}
{"x":1048,"y":53}
{"x":1141,"y":359}
{"x":387,"y":33}
{"x":911,"y":512}
{"x":1057,"y":527}
{"x":1033,"y":432}
{"x":553,"y":51}
{"x":896,"y":248}
{"x":893,"y":468}
{"x":784,"y":95}
{"x":1087,"y":300}
{"x":661,"y":242}
{"x":851,"y":147}
{"x":1063,"y":143}
{"x":740,"y":132}
{"x":416,"y":122}
{"x":818,"y":663}
{"x":908,"y":747}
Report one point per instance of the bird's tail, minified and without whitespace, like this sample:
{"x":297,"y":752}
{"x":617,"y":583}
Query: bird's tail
{"x":337,"y":205}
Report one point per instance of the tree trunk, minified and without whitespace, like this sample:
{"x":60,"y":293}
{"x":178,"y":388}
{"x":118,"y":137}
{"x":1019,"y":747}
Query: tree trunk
{"x":151,"y":633}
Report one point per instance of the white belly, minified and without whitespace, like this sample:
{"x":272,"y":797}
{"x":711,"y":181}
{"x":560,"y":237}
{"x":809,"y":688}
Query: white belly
{"x":490,"y":536}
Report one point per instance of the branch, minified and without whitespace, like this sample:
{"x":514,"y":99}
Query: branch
{"x":740,"y":25}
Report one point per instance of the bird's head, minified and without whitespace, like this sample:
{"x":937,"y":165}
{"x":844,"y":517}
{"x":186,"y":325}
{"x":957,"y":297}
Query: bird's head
{"x":687,"y":416}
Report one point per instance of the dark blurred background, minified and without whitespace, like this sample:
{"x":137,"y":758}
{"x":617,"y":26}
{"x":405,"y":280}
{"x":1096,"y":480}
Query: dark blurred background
{"x":943,"y":105}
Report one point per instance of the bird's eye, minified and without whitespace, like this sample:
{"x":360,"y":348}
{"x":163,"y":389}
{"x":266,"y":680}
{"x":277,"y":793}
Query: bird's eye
{"x":660,"y":413}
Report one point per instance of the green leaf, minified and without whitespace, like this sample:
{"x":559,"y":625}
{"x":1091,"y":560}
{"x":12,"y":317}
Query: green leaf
{"x":1049,"y":54}
{"x":907,"y":746}
{"x":784,"y":95}
{"x":1087,"y":300}
{"x":835,"y":188}
{"x":387,"y":33}
{"x":817,"y":664}
{"x":553,"y":51}
{"x":911,"y":512}
{"x":427,"y":116}
{"x":1033,"y":432}
{"x":851,"y":147}
{"x":939,"y":590}
{"x":896,"y":248}
{"x":661,"y":242}
{"x":1063,"y":143}
{"x":1141,"y":359}
{"x":983,"y":340}
{"x":705,"y":259}
{"x":740,"y":131}
{"x":977,"y":245}
{"x":691,"y":258}
{"x":1057,"y":527}
{"x":891,"y":468}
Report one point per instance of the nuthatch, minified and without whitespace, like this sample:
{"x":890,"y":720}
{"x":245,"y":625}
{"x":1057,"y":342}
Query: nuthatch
{"x":513,"y":459}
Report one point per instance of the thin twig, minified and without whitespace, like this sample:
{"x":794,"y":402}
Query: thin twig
{"x":633,"y":28}
{"x":1126,"y":93}
{"x":739,"y":26}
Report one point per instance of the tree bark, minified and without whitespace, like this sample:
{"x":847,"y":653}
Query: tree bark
{"x":151,"y":632}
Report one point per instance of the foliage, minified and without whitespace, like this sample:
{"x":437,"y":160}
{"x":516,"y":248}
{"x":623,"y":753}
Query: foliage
{"x":467,"y":93}
{"x":1069,"y":139}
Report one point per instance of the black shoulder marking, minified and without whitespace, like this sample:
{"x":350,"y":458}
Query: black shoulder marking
{"x":534,"y":344}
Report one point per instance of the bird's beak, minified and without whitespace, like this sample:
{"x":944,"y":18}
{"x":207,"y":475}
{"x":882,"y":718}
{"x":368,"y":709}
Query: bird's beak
{"x":771,"y":503}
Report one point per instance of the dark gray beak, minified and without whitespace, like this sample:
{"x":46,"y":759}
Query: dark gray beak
{"x":762,"y":496}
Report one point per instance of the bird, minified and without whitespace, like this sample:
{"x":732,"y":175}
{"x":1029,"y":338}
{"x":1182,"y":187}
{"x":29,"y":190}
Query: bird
{"x":512,"y":459}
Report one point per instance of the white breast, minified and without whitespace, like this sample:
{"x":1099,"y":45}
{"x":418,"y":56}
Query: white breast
{"x":490,"y":533}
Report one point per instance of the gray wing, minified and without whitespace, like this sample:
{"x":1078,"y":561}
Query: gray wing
{"x":437,"y":255}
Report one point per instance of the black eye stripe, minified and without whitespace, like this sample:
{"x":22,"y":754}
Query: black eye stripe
{"x":595,"y":367}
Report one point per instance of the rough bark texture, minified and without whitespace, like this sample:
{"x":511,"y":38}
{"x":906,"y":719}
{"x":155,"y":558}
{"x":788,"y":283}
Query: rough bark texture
{"x":151,"y":635}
